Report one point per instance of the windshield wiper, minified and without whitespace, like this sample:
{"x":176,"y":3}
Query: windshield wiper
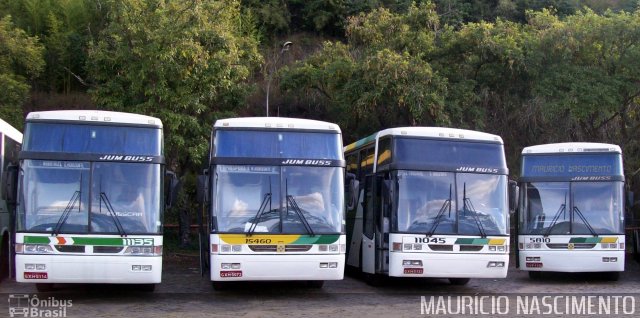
{"x":561,"y":209}
{"x":446,"y":205}
{"x":291,"y":201}
{"x":467,"y":205}
{"x":112,"y":212}
{"x":263,"y":205}
{"x":256,"y":219}
{"x":65,"y":214}
{"x":579,"y":213}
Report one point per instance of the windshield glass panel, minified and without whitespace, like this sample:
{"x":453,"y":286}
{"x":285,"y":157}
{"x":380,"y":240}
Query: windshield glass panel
{"x":317,"y":192}
{"x":99,"y":139}
{"x":132,"y":191}
{"x":485,"y":207}
{"x":48,"y":188}
{"x":254,"y":198}
{"x":597,"y":205}
{"x":243,"y":191}
{"x":546,"y":208}
{"x":424,"y":206}
{"x":423,"y":198}
{"x":449,"y":153}
{"x":277,"y":144}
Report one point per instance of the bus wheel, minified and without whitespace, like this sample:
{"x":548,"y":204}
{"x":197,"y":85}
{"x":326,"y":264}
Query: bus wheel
{"x":373,"y":279}
{"x":315,"y":283}
{"x":44,"y":287}
{"x":4,"y":259}
{"x":459,"y":281}
{"x":147,"y":288}
{"x":535,"y":275}
{"x":612,"y":276}
{"x":219,"y":286}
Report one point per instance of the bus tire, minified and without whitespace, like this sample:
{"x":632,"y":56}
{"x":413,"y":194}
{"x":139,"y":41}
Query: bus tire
{"x":459,"y":281}
{"x":612,"y":276}
{"x":147,"y":288}
{"x":4,"y":258}
{"x":219,"y":286}
{"x":44,"y":287}
{"x":374,"y":280}
{"x":535,"y":275}
{"x":315,"y":283}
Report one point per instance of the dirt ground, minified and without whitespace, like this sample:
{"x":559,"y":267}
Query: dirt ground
{"x":184,"y":293}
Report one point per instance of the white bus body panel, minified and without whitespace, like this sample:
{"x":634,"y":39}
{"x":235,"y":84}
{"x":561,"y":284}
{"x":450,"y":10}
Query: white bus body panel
{"x":572,"y":260}
{"x":279,"y":267}
{"x":287,"y":266}
{"x":450,"y":264}
{"x":89,"y":267}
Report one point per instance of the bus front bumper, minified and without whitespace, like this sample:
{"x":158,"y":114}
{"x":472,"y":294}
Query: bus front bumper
{"x":448,"y":265}
{"x":572,"y":261}
{"x":276,"y":267}
{"x":88,"y":269}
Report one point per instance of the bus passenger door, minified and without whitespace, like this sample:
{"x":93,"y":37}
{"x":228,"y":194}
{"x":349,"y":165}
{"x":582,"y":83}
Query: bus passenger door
{"x":368,"y":237}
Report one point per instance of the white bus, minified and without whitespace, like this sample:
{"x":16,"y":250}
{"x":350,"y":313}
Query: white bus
{"x":275,"y":201}
{"x":90,"y":199}
{"x":10,"y":140}
{"x":571,"y":212}
{"x":432,"y":202}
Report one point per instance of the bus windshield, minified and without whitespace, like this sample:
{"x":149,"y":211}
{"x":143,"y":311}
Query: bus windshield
{"x":84,"y":197}
{"x":76,"y":138}
{"x":274,"y":199}
{"x":581,"y":208}
{"x":277,"y":144}
{"x":431,"y":202}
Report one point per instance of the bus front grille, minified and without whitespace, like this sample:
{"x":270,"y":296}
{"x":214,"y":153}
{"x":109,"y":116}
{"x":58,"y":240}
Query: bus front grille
{"x":471,"y":248}
{"x":274,"y":248}
{"x":565,"y":246}
{"x":70,"y":248}
{"x":107,"y":249}
{"x":441,"y":248}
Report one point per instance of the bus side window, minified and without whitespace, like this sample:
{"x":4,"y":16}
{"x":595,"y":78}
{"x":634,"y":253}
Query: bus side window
{"x":369,"y":197}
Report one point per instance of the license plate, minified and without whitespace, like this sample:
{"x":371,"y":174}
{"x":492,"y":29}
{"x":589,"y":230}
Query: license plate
{"x":33,"y":275}
{"x":230,"y":273}
{"x":413,"y":270}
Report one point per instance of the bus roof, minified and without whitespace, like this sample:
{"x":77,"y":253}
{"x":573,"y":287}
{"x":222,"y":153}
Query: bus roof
{"x":88,"y":116}
{"x":572,"y":147}
{"x":10,"y":131}
{"x":429,"y":132}
{"x":276,"y":123}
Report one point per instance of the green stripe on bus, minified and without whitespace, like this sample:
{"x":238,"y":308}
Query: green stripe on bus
{"x":591,"y":240}
{"x":472,"y":241}
{"x":318,"y":239}
{"x":104,"y":241}
{"x":36,"y":240}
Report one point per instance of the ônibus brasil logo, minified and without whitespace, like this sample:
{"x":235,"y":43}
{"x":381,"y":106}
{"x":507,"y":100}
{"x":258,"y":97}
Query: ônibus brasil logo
{"x":25,"y":305}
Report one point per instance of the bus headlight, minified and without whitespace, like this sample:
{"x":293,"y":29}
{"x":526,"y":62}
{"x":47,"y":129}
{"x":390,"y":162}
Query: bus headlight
{"x":143,"y":250}
{"x":36,"y":249}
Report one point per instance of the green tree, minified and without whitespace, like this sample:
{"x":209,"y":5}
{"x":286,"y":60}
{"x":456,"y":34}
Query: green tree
{"x":21,"y":59}
{"x":185,"y":62}
{"x":587,"y":77}
{"x":380,"y":78}
{"x":64,"y":27}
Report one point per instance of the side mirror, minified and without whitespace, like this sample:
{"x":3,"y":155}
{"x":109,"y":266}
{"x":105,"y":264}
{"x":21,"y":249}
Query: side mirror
{"x":514,"y":193}
{"x":202,"y":188}
{"x":11,"y":184}
{"x":171,"y":188}
{"x":353,"y":188}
